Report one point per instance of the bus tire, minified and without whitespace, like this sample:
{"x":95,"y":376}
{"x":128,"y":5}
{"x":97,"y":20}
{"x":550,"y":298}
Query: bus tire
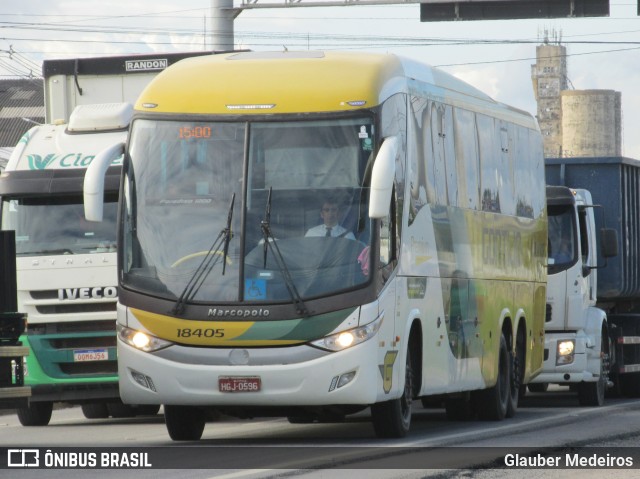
{"x":517,"y":361}
{"x":184,"y":423}
{"x":36,"y":414}
{"x":392,"y":419}
{"x":493,"y":403}
{"x":95,"y":410}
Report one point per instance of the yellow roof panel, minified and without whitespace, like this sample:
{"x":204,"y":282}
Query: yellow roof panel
{"x":279,"y":82}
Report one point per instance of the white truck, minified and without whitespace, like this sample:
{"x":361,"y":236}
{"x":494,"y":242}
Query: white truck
{"x":66,"y":267}
{"x":592,"y":328}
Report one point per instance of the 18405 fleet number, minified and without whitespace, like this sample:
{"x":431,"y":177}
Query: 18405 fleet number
{"x":200,"y":333}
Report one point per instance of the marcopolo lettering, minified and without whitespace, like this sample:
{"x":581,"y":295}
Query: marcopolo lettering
{"x":88,"y":293}
{"x":238,"y":313}
{"x":146,"y":65}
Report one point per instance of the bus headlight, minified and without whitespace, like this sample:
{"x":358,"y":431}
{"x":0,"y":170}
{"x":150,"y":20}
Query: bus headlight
{"x":141,"y":340}
{"x":351,"y":337}
{"x":565,"y":353}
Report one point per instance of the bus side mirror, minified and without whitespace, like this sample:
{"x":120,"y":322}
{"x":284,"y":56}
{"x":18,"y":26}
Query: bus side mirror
{"x":93,"y":189}
{"x":382,"y":176}
{"x":609,"y":242}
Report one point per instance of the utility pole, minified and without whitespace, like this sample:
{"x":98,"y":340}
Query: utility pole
{"x":222,"y":16}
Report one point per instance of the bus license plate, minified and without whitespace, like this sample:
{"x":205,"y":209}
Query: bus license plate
{"x":239,"y":384}
{"x":81,"y":355}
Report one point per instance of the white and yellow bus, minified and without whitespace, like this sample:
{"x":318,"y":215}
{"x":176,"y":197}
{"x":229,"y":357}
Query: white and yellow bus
{"x":430,"y":283}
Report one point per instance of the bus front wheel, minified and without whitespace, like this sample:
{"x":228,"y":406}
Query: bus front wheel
{"x":392,"y":419}
{"x":184,"y":423}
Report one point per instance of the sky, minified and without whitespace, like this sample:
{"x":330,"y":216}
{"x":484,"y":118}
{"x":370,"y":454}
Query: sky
{"x":494,"y":56}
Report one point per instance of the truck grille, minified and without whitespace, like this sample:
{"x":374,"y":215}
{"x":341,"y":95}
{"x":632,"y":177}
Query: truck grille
{"x":53,"y":345}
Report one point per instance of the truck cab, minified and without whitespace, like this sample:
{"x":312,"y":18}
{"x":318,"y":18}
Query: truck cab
{"x":576,"y":337}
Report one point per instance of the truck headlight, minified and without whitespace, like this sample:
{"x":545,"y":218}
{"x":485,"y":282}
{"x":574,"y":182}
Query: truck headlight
{"x":565,"y":352}
{"x":349,"y":338}
{"x":141,"y":340}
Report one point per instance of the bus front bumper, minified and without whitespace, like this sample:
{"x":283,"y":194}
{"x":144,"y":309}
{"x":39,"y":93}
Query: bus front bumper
{"x":348,"y":377}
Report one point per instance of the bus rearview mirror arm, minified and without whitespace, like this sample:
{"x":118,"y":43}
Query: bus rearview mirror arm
{"x":93,"y":189}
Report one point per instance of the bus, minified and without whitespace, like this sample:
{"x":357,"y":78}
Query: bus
{"x":434,"y":289}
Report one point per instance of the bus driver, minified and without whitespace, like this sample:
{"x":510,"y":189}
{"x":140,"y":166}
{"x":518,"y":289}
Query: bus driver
{"x":330,"y":213}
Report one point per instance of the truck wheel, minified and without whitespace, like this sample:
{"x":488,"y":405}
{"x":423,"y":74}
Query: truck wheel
{"x":392,"y":419}
{"x":494,"y":402}
{"x":95,"y":410}
{"x":35,"y":414}
{"x":592,"y":394}
{"x":184,"y":423}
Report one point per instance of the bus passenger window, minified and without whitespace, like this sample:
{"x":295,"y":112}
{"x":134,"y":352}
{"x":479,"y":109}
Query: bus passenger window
{"x":386,"y":243}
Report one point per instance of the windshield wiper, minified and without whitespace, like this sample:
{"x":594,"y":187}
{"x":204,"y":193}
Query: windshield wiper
{"x":270,"y":243}
{"x":208,"y":263}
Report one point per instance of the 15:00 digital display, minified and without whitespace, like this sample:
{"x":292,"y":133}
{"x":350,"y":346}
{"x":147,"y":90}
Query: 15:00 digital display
{"x":186,"y":132}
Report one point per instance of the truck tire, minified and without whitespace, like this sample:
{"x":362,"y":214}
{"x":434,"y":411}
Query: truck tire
{"x":493,"y":403}
{"x":95,"y":410}
{"x":592,"y":394}
{"x":35,"y":414}
{"x":392,"y":419}
{"x":184,"y":423}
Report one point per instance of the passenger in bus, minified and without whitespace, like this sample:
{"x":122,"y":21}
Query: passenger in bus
{"x":330,"y":212}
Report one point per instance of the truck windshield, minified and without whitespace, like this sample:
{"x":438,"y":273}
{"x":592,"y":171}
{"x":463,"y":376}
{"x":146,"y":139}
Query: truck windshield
{"x":56,"y":225}
{"x":562,"y":238}
{"x":299,"y":225}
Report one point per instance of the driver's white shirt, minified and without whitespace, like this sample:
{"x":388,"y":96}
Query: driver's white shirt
{"x":337,"y":230}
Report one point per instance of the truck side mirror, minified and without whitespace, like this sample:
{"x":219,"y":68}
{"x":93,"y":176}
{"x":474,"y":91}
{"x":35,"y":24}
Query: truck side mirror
{"x":608,"y":242}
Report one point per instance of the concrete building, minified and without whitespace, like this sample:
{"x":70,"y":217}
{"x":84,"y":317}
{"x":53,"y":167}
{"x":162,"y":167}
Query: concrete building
{"x":549,"y":76}
{"x":573,"y":123}
{"x":591,"y":123}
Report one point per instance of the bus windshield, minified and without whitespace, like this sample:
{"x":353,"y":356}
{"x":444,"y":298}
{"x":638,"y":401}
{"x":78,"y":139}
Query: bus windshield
{"x":56,"y":225}
{"x":256,"y":212}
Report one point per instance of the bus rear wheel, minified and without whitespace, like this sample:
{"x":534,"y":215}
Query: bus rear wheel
{"x":494,"y":402}
{"x":392,"y":419}
{"x":184,"y":423}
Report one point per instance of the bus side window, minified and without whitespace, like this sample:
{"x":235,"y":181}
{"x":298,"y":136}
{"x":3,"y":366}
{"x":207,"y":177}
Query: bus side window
{"x":385,"y":241}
